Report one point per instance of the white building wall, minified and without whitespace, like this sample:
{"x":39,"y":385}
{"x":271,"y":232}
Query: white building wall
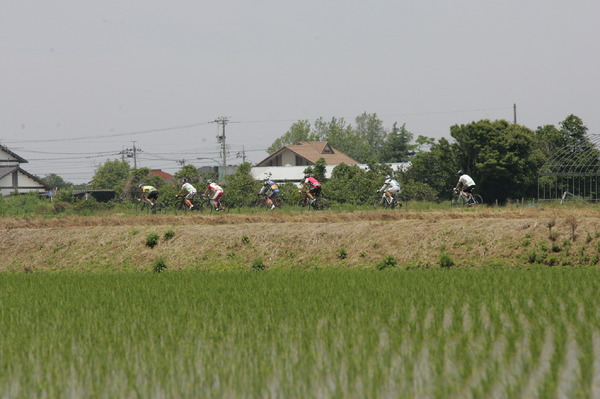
{"x":24,"y":182}
{"x":7,"y":160}
{"x":288,"y":158}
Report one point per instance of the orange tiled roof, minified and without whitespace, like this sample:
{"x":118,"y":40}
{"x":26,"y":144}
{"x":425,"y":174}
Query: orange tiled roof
{"x":313,"y":150}
{"x":163,"y":175}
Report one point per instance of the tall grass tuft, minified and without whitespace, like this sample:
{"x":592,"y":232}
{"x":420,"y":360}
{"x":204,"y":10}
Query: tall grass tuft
{"x":445,"y":260}
{"x":152,"y":240}
{"x":168,"y":235}
{"x":258,"y":264}
{"x":159,"y":265}
{"x":387,"y":262}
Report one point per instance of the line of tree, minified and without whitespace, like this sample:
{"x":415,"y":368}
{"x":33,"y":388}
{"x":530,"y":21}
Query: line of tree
{"x":503,"y":158}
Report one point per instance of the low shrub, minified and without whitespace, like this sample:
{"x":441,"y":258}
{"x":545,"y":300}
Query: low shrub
{"x":152,"y":240}
{"x":445,"y":260}
{"x":169,"y":234}
{"x":258,"y":264}
{"x":388,"y":261}
{"x":159,"y":265}
{"x":342,"y":254}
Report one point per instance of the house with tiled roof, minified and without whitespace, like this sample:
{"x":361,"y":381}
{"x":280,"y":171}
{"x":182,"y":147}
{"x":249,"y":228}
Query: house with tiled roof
{"x":13,"y":179}
{"x":167,"y":177}
{"x":306,"y":153}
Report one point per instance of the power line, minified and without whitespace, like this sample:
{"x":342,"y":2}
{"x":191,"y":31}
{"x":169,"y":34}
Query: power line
{"x":158,"y":130}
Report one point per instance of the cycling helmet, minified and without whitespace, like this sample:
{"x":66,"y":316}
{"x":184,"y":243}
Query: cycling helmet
{"x":209,"y":181}
{"x":460,"y":172}
{"x":387,"y":177}
{"x":186,"y":180}
{"x":140,"y":186}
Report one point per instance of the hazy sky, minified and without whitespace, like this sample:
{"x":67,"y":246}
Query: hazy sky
{"x":82,"y":80}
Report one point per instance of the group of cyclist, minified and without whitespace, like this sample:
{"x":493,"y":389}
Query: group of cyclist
{"x":310,"y":186}
{"x":150,"y":194}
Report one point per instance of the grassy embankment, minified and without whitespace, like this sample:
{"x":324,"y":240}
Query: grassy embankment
{"x":409,"y":238}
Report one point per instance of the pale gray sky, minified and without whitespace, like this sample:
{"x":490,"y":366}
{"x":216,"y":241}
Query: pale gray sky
{"x":75,"y":73}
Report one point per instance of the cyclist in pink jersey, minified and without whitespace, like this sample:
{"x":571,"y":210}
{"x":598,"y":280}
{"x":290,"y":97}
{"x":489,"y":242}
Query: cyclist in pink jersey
{"x":314,"y":187}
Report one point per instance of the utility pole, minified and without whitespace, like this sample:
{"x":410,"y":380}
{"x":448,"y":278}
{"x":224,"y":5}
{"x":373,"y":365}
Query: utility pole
{"x":131,"y":153}
{"x":242,"y":155}
{"x":515,"y":113}
{"x":223,"y":120}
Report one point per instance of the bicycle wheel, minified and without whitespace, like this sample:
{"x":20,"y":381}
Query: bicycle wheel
{"x":478,"y":199}
{"x":181,"y":206}
{"x":301,"y":204}
{"x":321,"y":204}
{"x":378,"y":203}
{"x":143,"y":207}
{"x":260,"y":203}
{"x":458,"y":201}
{"x":223,"y":207}
{"x":160,"y":207}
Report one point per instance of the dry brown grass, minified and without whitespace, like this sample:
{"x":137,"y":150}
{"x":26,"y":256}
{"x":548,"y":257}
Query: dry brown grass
{"x":471,"y":237}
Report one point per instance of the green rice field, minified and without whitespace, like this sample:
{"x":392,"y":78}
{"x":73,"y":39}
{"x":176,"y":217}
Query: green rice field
{"x":324,"y":333}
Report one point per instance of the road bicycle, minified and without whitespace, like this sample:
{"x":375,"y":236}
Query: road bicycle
{"x":144,"y":206}
{"x":181,"y":205}
{"x":262,"y":202}
{"x":386,"y":203}
{"x":317,"y":204}
{"x":206,"y":203}
{"x":458,"y":199}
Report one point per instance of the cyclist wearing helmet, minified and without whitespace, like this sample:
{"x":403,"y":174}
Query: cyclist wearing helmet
{"x":390,"y":187}
{"x":271,"y":190}
{"x":150,"y":195}
{"x":467,"y":183}
{"x":217,"y":193}
{"x":314,"y":187}
{"x":190,"y":192}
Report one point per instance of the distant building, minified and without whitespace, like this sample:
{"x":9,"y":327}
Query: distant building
{"x":306,"y":153}
{"x":167,"y":177}
{"x":98,"y":195}
{"x":13,"y":179}
{"x":295,"y":174}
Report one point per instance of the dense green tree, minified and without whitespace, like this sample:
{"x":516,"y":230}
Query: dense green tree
{"x":566,"y":148}
{"x":569,"y":144}
{"x":397,"y":146}
{"x":319,"y":169}
{"x":369,"y":130}
{"x":435,"y":168}
{"x":241,"y":188}
{"x":350,"y":184}
{"x":299,"y":131}
{"x":111,"y":175}
{"x":364,"y":142}
{"x":130,"y":188}
{"x":498,"y":155}
{"x":55,"y":181}
{"x":190,"y":172}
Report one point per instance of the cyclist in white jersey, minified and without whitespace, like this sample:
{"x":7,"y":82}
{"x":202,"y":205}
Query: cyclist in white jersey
{"x":189,"y":191}
{"x":467,"y":183}
{"x":390,"y":187}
